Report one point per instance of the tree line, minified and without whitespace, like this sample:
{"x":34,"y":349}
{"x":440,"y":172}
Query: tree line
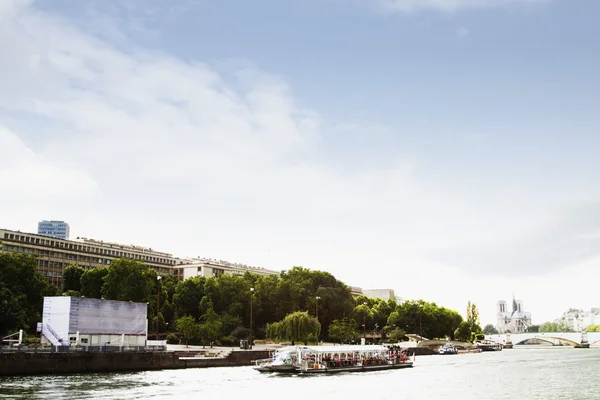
{"x":297,"y":305}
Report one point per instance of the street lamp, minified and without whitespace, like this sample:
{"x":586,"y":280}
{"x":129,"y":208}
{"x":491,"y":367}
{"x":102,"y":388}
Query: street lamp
{"x":317,"y":298}
{"x":365,"y":323}
{"x":158,"y":278}
{"x":420,"y":320}
{"x":251,"y":301}
{"x":317,"y":307}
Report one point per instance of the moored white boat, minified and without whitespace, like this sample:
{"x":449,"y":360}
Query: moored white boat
{"x":330,"y":359}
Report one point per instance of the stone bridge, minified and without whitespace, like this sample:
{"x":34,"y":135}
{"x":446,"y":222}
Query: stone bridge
{"x":576,"y":339}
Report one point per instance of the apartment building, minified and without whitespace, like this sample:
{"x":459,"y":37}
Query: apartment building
{"x":209,"y":268}
{"x":56,"y":254}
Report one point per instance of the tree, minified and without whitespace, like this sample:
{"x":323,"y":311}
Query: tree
{"x":210,"y":329}
{"x":469,"y":330}
{"x":188,"y":327}
{"x":92,"y":281}
{"x":162,"y":325}
{"x":593,"y":328}
{"x":187,"y":297}
{"x":560,"y":326}
{"x":241,"y":333}
{"x":473,"y":320}
{"x":362,"y":315}
{"x":298,"y":326}
{"x":343,"y":330}
{"x":396,"y":335}
{"x":22,"y":291}
{"x":72,"y":278}
{"x":130,"y":280}
{"x":490,"y":330}
{"x":463,"y":332}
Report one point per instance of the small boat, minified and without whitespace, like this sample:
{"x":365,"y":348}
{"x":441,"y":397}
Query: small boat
{"x":448,"y":348}
{"x":332,"y":359}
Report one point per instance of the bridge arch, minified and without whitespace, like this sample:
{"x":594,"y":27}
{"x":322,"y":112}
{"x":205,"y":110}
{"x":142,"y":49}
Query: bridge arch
{"x":548,"y":339}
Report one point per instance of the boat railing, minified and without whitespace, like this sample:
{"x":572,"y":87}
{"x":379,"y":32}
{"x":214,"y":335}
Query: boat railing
{"x":263,"y":361}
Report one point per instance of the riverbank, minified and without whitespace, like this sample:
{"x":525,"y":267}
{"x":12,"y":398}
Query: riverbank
{"x":47,"y":363}
{"x":39,"y":362}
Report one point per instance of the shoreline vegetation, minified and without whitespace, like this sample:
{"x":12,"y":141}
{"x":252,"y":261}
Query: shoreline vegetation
{"x":299,"y":305}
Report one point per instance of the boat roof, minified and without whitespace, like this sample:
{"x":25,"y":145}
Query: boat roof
{"x":336,"y":349}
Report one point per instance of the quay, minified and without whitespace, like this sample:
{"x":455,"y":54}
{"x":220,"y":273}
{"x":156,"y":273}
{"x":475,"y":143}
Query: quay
{"x":46,"y":362}
{"x":16,"y":363}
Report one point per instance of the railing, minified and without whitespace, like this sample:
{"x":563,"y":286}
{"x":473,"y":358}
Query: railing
{"x":18,"y":341}
{"x":263,"y":361}
{"x":81,"y":349}
{"x":52,"y":336}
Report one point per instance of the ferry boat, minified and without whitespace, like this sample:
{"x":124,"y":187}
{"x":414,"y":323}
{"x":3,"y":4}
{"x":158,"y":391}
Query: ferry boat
{"x":331,"y":359}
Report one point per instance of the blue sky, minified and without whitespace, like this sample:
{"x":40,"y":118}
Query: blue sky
{"x":431,"y":138}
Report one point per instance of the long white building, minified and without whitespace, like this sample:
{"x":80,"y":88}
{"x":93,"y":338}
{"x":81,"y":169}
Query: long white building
{"x":209,"y":268}
{"x":383,"y":294}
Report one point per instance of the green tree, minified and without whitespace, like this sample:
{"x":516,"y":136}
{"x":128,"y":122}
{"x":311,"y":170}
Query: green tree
{"x":22,"y":291}
{"x":593,"y":328}
{"x":473,"y":320}
{"x":72,"y":278}
{"x":463,"y":332}
{"x":343,"y":330}
{"x":363,"y":316}
{"x":396,"y":335}
{"x":560,"y":326}
{"x":130,"y":280}
{"x":298,"y":288}
{"x":210,"y":329}
{"x":162,"y":325}
{"x":187,"y":297}
{"x":490,"y":330}
{"x":92,"y":281}
{"x":188,"y":327}
{"x":297,"y":326}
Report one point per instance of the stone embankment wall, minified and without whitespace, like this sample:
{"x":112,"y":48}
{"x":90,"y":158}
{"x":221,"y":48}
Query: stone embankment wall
{"x":38,"y":363}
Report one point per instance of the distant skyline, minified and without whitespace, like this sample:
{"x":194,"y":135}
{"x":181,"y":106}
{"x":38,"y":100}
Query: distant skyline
{"x":446,"y":149}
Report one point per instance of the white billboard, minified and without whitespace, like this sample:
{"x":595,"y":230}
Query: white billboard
{"x":68,"y":315}
{"x":96,"y":316}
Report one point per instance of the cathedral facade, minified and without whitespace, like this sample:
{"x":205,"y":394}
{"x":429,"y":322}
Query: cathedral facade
{"x":514,"y":321}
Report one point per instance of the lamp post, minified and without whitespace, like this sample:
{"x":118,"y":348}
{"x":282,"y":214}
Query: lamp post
{"x":317,"y":298}
{"x":158,"y":278}
{"x":365,"y":323}
{"x":420,"y":320}
{"x":317,"y":307}
{"x":251,"y":301}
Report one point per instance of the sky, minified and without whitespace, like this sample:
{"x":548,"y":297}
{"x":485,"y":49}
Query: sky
{"x":446,"y":149}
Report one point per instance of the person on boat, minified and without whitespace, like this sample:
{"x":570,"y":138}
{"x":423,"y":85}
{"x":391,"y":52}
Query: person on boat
{"x":403,"y":356}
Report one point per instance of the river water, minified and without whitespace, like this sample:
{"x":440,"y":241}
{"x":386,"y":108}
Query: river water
{"x":518,"y":374}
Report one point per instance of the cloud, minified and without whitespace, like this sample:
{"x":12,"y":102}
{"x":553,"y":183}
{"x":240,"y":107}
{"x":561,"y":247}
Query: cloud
{"x":141,"y":146}
{"x":462,"y":32}
{"x":27,"y":176}
{"x":569,"y":237}
{"x":451,"y":5}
